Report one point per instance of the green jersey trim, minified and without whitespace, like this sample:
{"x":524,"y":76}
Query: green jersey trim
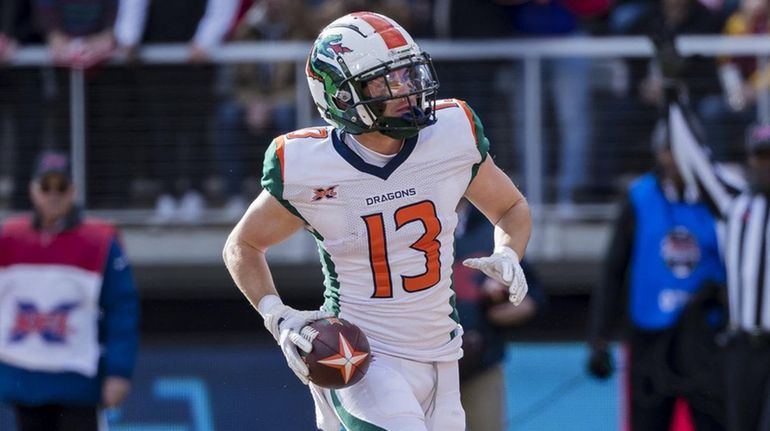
{"x":331,"y":278}
{"x":351,"y":422}
{"x":272,"y":174}
{"x":482,"y":143}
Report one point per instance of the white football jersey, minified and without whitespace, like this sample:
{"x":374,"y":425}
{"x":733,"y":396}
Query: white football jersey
{"x":385,"y":234}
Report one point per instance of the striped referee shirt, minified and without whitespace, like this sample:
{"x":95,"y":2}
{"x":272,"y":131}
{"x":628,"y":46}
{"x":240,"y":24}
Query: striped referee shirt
{"x":745,"y":224}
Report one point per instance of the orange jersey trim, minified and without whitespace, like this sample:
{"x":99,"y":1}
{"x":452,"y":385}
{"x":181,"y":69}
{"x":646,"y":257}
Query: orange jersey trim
{"x":444,"y":105}
{"x":390,"y":34}
{"x":279,"y":142}
{"x":469,"y":114}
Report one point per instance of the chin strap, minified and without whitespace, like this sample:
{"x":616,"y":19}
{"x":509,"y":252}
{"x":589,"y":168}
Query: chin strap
{"x":407,"y":125}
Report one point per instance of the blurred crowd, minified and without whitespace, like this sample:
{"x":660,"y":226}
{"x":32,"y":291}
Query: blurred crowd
{"x":186,"y":137}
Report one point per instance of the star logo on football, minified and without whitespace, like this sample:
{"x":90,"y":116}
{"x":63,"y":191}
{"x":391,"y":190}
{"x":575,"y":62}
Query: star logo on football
{"x":346,"y":360}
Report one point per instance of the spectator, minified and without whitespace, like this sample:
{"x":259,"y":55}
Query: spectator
{"x":261,"y":100}
{"x":20,"y":101}
{"x":399,"y":10}
{"x":630,"y":16}
{"x":663,"y":252}
{"x":727,"y":114}
{"x":567,"y":82}
{"x":170,"y":21}
{"x":79,"y":34}
{"x":485,"y":313}
{"x":682,"y":17}
{"x":68,"y":310}
{"x":175,"y":100}
{"x":640,"y":96}
{"x":457,"y":19}
{"x":481,"y":19}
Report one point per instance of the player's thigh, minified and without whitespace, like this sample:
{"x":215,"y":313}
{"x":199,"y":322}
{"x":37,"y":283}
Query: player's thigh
{"x":383,"y":399}
{"x":448,"y":414}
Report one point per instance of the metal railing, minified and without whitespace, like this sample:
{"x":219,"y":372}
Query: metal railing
{"x":531,"y":51}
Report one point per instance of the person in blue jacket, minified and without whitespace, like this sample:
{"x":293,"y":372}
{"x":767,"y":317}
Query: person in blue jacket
{"x":68,"y":310}
{"x":664,"y":254}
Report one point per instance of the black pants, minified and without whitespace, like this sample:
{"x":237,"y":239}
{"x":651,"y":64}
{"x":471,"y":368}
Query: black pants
{"x":748,"y":374}
{"x":652,"y":403}
{"x":55,"y":417}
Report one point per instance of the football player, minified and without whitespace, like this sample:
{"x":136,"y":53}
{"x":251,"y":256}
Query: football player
{"x":378,"y":191}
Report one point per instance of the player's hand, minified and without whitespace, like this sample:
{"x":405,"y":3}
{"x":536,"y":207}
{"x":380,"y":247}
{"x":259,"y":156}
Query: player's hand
{"x":503,"y":265}
{"x":600,"y":363}
{"x":286,"y":324}
{"x":115,"y":390}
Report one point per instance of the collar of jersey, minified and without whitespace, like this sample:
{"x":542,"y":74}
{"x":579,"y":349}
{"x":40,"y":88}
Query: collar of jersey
{"x":357,"y":162}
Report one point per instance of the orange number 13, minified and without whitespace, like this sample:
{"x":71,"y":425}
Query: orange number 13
{"x":424,"y":212}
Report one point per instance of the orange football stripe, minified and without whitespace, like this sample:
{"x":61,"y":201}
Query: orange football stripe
{"x":390,"y":34}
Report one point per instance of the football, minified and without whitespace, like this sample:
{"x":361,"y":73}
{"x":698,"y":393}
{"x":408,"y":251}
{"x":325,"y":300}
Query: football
{"x":340,"y":355}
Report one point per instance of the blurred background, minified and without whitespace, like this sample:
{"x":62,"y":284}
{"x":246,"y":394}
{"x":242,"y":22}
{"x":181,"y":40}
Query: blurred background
{"x":168,"y":107}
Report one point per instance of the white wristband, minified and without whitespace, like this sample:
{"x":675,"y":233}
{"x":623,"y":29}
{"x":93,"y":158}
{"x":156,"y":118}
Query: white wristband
{"x":266,"y":303}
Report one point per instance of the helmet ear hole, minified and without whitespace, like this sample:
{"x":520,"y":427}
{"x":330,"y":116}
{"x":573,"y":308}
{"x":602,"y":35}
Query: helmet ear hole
{"x":342,"y":100}
{"x":342,"y":106}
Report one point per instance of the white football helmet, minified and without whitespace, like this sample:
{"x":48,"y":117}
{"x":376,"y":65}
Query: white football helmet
{"x":358,"y":49}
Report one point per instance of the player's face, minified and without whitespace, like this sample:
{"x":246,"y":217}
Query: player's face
{"x":53,"y":196}
{"x":399,"y":82}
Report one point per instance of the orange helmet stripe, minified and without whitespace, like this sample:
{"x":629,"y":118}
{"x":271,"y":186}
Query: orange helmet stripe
{"x":389,"y":33}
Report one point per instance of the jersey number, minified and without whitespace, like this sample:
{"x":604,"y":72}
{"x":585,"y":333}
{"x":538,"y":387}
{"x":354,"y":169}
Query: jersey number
{"x":425,"y":213}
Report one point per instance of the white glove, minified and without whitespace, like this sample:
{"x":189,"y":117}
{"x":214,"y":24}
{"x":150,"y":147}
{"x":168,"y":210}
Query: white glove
{"x":503,"y":265}
{"x":286,"y":324}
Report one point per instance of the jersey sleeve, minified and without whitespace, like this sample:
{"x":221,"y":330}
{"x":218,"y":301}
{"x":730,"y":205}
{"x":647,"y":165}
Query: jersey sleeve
{"x":273,"y":173}
{"x":482,"y":143}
